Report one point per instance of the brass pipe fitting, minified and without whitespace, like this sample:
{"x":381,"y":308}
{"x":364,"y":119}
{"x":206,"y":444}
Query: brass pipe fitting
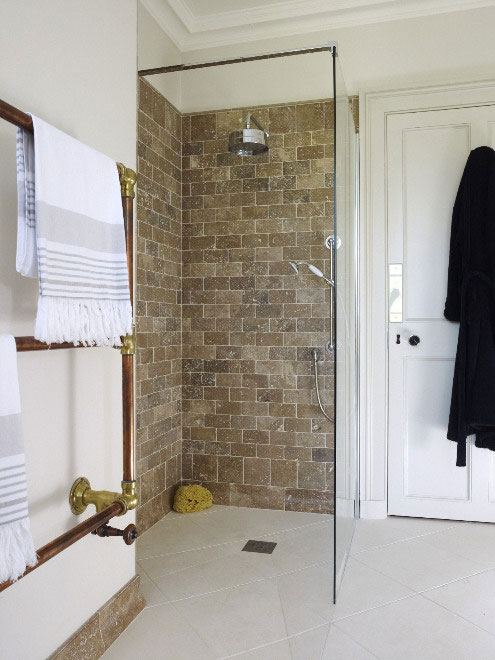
{"x":82,"y":495}
{"x":127,"y":180}
{"x":129,"y":343}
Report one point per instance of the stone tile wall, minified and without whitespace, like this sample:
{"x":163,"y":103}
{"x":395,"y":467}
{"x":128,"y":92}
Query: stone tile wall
{"x":252,"y":430}
{"x":158,"y":311}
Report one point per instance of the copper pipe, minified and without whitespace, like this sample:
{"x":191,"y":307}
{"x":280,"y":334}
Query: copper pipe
{"x":128,"y":360}
{"x":24,"y":344}
{"x":128,"y":417}
{"x":236,"y":60}
{"x":69,"y":538}
{"x":22,"y":120}
{"x":15,"y":116}
{"x":128,"y":208}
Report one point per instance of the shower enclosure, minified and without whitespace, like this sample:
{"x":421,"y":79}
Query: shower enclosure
{"x":267,"y":286}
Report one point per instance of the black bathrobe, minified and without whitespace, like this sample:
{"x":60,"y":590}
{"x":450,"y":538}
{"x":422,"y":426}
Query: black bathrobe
{"x":471,"y":301}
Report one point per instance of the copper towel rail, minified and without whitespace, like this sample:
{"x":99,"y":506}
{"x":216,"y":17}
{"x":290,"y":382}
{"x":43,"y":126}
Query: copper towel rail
{"x":108,"y":504}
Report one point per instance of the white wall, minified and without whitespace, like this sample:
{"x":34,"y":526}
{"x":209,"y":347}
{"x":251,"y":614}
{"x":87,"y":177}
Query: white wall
{"x":74,"y":64}
{"x":155,"y":48}
{"x":439,"y":49}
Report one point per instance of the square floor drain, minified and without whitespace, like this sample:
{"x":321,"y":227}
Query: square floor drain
{"x":266,"y":547}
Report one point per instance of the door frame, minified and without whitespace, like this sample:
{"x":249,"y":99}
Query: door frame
{"x":374,"y":108}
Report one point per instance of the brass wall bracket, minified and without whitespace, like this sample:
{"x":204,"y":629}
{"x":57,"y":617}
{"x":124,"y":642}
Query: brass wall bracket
{"x":129,"y":343}
{"x":82,"y":495}
{"x":127,"y":180}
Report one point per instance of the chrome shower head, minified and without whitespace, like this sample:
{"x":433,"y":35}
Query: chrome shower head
{"x":249,"y":141}
{"x":316,"y":271}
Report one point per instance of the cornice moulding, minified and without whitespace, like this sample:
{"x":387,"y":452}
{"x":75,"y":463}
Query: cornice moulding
{"x":191,"y":32}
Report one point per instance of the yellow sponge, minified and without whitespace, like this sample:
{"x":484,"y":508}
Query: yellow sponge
{"x":192,"y":498}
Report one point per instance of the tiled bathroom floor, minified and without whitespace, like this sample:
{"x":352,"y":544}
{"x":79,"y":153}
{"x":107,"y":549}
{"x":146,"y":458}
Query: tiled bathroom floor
{"x":413,"y":588}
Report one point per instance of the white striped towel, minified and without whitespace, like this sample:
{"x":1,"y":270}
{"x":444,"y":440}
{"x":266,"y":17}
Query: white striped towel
{"x":16,"y":543}
{"x":71,"y":236}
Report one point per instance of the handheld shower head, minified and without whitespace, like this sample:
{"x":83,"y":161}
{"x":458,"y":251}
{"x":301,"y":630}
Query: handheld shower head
{"x":316,"y":271}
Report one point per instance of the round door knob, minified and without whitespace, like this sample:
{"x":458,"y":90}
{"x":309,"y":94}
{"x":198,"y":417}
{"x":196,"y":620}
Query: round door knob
{"x":414,"y":340}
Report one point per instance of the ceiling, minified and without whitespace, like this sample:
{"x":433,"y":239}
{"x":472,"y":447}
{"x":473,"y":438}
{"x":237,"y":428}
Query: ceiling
{"x":199,"y":24}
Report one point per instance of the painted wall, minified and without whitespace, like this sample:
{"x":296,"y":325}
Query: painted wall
{"x":155,"y":48}
{"x":73,"y":64}
{"x":446,"y":48}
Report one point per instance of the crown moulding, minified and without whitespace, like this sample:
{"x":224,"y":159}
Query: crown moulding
{"x":191,"y":31}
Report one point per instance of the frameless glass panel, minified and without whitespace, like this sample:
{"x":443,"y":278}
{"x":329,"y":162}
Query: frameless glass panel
{"x":257,"y":286}
{"x":345,"y":251}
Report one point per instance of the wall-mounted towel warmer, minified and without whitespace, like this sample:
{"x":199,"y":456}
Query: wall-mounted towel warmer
{"x":108,"y":504}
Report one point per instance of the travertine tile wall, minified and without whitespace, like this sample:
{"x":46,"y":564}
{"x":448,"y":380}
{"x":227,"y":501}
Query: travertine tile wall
{"x":158,"y":312}
{"x":252,"y":430}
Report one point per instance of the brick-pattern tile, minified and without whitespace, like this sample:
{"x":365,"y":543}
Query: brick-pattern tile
{"x":251,"y":428}
{"x":158,"y":306}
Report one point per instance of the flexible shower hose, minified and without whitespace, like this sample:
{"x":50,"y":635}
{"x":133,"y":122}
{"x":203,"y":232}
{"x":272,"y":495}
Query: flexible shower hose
{"x":314,"y":353}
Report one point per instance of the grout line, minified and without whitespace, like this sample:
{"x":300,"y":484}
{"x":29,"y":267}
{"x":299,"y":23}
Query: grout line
{"x":274,"y":579}
{"x":437,"y":586}
{"x":254,"y":648}
{"x":416,"y":593}
{"x":420,"y":595}
{"x":409,"y":538}
{"x":344,"y":632}
{"x":455,"y":613}
{"x":235,"y":586}
{"x":238,"y":540}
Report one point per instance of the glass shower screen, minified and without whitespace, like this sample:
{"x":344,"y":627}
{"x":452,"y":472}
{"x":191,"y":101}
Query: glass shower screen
{"x":345,"y":246}
{"x":262,"y":239}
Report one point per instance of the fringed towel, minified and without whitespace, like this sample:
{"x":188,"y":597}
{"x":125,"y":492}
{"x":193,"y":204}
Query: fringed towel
{"x":16,"y":544}
{"x":71,"y":236}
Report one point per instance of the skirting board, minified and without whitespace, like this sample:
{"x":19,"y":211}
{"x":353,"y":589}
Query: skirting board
{"x":103,"y":628}
{"x":373,"y":509}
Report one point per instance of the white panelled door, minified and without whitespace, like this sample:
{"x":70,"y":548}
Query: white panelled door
{"x":426,"y":154}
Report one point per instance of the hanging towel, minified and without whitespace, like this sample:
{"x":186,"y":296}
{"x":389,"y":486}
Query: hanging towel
{"x":16,"y":544}
{"x":71,"y":236}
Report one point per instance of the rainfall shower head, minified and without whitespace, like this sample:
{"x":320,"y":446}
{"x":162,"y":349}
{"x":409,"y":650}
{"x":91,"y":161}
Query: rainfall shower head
{"x":316,"y":271}
{"x":249,"y":141}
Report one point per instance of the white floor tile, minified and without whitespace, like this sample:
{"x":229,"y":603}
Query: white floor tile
{"x":299,"y":548}
{"x":472,"y":598}
{"x":279,"y":607}
{"x":309,"y":645}
{"x":327,"y":643}
{"x":175,"y":535}
{"x":236,"y":620}
{"x":222,"y":573}
{"x":475,"y":541}
{"x":156,"y":567}
{"x":340,"y":646}
{"x":152,"y":595}
{"x":235,"y":523}
{"x":159,"y":633}
{"x":277,"y":651}
{"x":417,"y":628}
{"x":375,"y":533}
{"x":306,"y":597}
{"x":363,"y":588}
{"x":417,"y":565}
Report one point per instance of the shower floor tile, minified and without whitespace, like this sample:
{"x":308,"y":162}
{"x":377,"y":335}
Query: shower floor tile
{"x":206,"y":598}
